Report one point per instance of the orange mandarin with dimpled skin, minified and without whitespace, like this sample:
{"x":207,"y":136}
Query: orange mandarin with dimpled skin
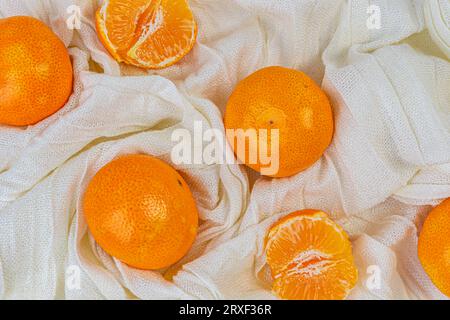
{"x":141,"y":211}
{"x":35,"y":71}
{"x":434,"y":246}
{"x":286,"y":100}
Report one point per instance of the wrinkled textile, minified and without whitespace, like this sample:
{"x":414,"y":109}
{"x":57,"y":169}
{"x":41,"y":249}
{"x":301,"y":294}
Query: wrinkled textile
{"x":389,"y":162}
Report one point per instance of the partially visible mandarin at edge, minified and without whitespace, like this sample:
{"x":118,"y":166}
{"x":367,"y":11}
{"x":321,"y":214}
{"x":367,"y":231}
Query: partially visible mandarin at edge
{"x":434,"y":246}
{"x":36,"y":74}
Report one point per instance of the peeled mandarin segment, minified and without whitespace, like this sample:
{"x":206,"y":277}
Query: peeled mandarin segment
{"x":121,"y":19}
{"x":168,"y":36}
{"x":152,"y":34}
{"x":141,"y":211}
{"x":310,"y":257}
{"x":287,"y":100}
{"x":434,"y":246}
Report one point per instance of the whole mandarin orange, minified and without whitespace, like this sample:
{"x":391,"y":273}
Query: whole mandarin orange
{"x":287,"y":100}
{"x":35,"y":71}
{"x":141,"y":211}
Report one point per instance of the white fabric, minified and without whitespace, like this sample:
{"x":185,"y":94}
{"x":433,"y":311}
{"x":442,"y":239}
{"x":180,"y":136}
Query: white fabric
{"x":388,"y":164}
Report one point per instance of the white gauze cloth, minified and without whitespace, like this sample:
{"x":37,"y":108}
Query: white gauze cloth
{"x":388,"y":164}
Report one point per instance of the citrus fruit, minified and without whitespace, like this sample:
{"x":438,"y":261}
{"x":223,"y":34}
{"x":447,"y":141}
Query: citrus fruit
{"x":35,"y":71}
{"x":141,"y":211}
{"x":310,"y":257}
{"x":151,"y":34}
{"x":283,"y":99}
{"x":434,"y":246}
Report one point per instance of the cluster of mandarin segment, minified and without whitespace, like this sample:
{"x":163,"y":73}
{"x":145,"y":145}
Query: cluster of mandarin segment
{"x":151,"y":34}
{"x":310,"y":257}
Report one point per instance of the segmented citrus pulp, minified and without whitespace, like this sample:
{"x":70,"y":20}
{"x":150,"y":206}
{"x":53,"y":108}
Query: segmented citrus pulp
{"x":35,"y":71}
{"x":434,"y":246}
{"x":141,"y":211}
{"x":287,"y":100}
{"x":310,"y":257}
{"x":151,"y":34}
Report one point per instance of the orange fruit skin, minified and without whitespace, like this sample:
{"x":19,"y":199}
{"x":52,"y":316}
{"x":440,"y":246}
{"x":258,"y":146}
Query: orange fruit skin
{"x":35,"y":71}
{"x":121,"y":24}
{"x":141,"y":211}
{"x":287,"y":100}
{"x":310,"y":257}
{"x":434,"y":246}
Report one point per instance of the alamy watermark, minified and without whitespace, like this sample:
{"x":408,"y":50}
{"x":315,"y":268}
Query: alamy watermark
{"x":374,"y":278}
{"x":73,"y":278}
{"x":209,"y":146}
{"x":374,"y":20}
{"x":73,"y":22}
